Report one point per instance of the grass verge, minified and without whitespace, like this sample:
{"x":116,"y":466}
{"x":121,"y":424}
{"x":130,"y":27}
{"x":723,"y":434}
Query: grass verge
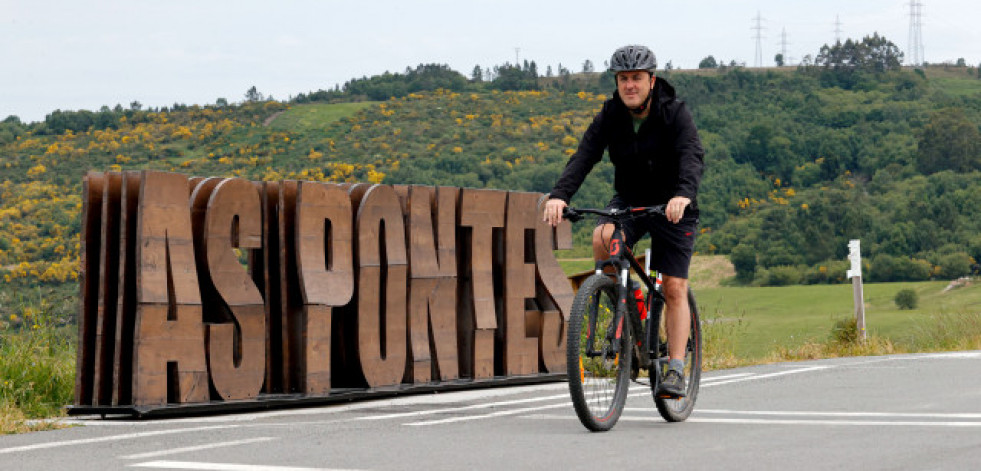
{"x":37,"y":363}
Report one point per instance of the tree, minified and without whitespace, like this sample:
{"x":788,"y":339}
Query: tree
{"x":873,"y":53}
{"x":778,"y":59}
{"x":906,"y":299}
{"x":252,"y":95}
{"x":949,"y":141}
{"x":477,"y":75}
{"x":708,"y":63}
{"x":587,"y":67}
{"x":961,"y":62}
{"x":743,"y":258}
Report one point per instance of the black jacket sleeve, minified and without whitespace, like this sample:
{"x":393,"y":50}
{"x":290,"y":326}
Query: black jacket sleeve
{"x":690,"y":153}
{"x":589,"y":153}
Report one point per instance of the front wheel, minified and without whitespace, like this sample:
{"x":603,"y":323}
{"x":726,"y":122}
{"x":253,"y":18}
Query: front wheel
{"x":598,"y":362}
{"x":677,"y":410}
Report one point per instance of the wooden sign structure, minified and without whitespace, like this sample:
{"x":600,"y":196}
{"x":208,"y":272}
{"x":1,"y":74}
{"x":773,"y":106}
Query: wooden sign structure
{"x":221,"y":293}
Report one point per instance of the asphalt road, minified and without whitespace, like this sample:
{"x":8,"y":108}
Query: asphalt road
{"x":893,"y":412}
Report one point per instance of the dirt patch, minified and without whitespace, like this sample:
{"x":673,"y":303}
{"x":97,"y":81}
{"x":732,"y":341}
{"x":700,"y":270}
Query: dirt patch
{"x":708,"y":271}
{"x":271,"y":118}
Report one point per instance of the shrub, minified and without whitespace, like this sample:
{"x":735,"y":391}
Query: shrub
{"x":743,"y":258}
{"x":906,"y":299}
{"x":845,"y":331}
{"x":784,"y":275}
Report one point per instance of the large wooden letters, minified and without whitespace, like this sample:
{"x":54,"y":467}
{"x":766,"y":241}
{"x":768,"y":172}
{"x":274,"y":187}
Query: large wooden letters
{"x":431,"y":221}
{"x":207,"y":290}
{"x":382,"y":273}
{"x":520,"y":350}
{"x":228,"y":216}
{"x":482,"y":211}
{"x":168,"y":358}
{"x":554,"y":293}
{"x":325,"y":262}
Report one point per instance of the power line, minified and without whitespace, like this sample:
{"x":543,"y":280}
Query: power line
{"x":837,"y":30}
{"x":758,"y":61}
{"x":915,"y":43}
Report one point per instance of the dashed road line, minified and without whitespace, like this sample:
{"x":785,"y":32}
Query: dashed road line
{"x":111,"y":438}
{"x":187,"y":449}
{"x":921,"y":415}
{"x":768,"y":375}
{"x":224,"y":466}
{"x":755,"y":421}
{"x":488,"y":416}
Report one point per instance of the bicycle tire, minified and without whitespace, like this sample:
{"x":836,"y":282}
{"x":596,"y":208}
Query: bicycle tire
{"x":678,"y":410}
{"x":598,"y":385}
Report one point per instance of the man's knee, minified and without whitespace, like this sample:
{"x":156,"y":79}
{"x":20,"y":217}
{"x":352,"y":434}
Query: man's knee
{"x":675,"y":289}
{"x":601,"y":239}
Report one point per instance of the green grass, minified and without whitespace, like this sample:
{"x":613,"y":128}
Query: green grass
{"x":954,"y":80}
{"x":37,"y":357}
{"x":775,"y":318}
{"x":316,"y":116}
{"x":966,"y":86}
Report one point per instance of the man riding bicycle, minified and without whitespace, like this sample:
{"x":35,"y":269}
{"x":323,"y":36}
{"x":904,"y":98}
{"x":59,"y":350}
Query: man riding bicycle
{"x":658,"y":159}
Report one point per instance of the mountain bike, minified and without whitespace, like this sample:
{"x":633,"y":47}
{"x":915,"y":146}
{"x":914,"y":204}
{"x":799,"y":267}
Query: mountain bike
{"x":602,"y":353}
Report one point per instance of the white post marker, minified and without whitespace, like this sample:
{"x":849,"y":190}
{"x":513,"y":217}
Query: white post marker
{"x":855,"y":273}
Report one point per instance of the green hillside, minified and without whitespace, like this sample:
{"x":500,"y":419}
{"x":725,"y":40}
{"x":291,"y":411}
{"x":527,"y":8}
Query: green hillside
{"x":799,"y":160}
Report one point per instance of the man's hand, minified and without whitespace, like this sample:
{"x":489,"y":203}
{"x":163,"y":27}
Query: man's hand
{"x":553,"y":211}
{"x":674,"y":210}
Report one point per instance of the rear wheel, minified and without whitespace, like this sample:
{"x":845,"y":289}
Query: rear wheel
{"x":677,"y":410}
{"x":599,"y":368}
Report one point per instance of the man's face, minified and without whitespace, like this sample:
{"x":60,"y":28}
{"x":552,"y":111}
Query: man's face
{"x":634,"y":85}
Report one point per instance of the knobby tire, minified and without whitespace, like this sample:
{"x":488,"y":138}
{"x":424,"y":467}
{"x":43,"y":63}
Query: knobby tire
{"x":677,"y":410}
{"x":598,"y":385}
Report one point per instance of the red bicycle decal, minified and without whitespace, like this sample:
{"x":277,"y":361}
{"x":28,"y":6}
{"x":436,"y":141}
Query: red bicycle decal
{"x":615,"y":247}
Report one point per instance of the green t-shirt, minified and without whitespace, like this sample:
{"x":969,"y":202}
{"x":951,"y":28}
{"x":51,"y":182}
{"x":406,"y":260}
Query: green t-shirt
{"x":637,"y":123}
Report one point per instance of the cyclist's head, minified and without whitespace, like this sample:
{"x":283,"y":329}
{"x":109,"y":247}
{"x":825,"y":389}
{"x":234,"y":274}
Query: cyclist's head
{"x":634,"y":66}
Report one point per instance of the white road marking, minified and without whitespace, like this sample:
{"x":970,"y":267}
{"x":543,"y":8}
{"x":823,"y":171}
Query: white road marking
{"x":174,"y":451}
{"x":636,"y":390}
{"x":463,"y":408}
{"x":223,"y":466}
{"x":721,"y":377}
{"x":488,"y":416}
{"x":750,"y":421}
{"x":922,"y":415}
{"x":413,"y":400}
{"x":111,"y":438}
{"x":767,"y":375}
{"x":835,"y":422}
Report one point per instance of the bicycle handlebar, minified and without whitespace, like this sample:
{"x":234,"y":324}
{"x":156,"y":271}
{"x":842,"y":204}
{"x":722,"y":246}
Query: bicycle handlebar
{"x":576,"y":214}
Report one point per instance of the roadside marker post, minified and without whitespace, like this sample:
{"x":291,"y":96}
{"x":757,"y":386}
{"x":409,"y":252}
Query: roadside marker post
{"x":855,"y":273}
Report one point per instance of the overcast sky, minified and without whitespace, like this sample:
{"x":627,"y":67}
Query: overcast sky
{"x":61,"y":54}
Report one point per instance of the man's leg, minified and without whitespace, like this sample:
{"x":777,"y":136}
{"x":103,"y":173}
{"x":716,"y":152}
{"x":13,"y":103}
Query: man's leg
{"x":677,"y":315}
{"x":601,"y":243}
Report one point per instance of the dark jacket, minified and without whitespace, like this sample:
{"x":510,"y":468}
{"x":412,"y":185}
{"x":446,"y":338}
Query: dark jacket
{"x":662,"y":160}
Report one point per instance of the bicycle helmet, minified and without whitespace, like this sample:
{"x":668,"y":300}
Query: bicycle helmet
{"x":633,"y":57}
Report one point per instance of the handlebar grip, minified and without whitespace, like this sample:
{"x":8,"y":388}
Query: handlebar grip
{"x":571,"y":214}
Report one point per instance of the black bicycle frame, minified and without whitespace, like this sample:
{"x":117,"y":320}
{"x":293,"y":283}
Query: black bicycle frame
{"x":622,"y":260}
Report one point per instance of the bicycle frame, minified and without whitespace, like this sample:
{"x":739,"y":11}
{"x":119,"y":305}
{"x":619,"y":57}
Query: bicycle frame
{"x":623,"y":260}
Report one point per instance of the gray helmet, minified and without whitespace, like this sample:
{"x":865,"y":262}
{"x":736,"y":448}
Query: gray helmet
{"x":633,"y":57}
